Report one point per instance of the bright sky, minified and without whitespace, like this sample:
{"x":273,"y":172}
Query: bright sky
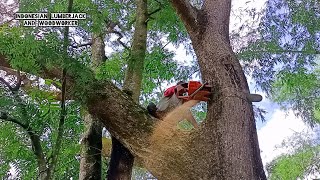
{"x":279,"y":125}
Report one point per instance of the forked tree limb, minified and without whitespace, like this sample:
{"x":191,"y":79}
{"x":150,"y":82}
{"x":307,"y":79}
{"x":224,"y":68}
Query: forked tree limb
{"x":187,"y":13}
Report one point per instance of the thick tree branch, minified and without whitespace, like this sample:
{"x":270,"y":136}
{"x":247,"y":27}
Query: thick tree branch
{"x":7,"y":84}
{"x":187,"y":13}
{"x":119,"y":39}
{"x":81,"y":45}
{"x":4,"y":116}
{"x":129,"y":114}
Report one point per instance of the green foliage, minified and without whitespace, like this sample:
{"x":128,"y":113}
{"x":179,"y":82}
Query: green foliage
{"x":37,"y":107}
{"x":166,"y":21}
{"x":27,"y":53}
{"x":301,"y":159}
{"x":291,"y":84}
{"x":299,"y":90}
{"x":42,"y":117}
{"x":285,"y":42}
{"x":306,"y":14}
{"x":100,"y":13}
{"x":159,"y":67}
{"x":291,"y":166}
{"x":282,"y":58}
{"x":16,"y":149}
{"x":113,"y":68}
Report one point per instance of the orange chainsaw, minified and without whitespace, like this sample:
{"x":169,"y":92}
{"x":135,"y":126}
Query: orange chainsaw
{"x":196,"y":91}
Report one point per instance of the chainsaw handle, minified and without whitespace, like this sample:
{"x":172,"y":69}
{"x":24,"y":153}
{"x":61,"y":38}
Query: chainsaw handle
{"x":196,"y":91}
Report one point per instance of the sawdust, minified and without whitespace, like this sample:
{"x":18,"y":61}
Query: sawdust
{"x":166,"y":129}
{"x":168,"y":142}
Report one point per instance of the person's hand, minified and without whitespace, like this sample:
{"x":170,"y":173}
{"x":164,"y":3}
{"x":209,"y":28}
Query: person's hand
{"x":180,"y":90}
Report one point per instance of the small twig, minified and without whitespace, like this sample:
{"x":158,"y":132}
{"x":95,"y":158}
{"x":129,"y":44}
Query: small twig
{"x":155,"y":11}
{"x":6,"y":83}
{"x":81,"y":45}
{"x":119,"y":39}
{"x":165,"y":45}
{"x":19,"y":79}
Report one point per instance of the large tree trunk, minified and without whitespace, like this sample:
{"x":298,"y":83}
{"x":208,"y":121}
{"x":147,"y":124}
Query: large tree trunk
{"x":91,"y":143}
{"x":226,"y":145}
{"x":121,"y":161}
{"x":230,"y":114}
{"x":133,"y":78}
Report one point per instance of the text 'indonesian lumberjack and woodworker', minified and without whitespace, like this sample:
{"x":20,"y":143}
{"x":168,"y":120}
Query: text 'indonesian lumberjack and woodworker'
{"x":50,"y":19}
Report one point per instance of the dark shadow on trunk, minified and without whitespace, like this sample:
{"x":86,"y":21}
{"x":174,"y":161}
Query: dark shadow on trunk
{"x":121,"y":162}
{"x":91,"y":145}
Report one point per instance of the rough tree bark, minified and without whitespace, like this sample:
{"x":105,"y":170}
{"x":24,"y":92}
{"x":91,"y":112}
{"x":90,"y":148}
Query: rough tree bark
{"x":230,"y":116}
{"x":91,"y":145}
{"x":121,"y":161}
{"x":133,"y":78}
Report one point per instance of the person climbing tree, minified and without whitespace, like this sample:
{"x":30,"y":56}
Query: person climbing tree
{"x":176,"y":95}
{"x":169,"y":100}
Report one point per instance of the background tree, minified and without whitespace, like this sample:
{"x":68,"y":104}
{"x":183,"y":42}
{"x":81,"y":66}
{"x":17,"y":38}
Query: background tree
{"x":301,"y":160}
{"x":230,"y":149}
{"x":282,"y":57}
{"x":34,"y":109}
